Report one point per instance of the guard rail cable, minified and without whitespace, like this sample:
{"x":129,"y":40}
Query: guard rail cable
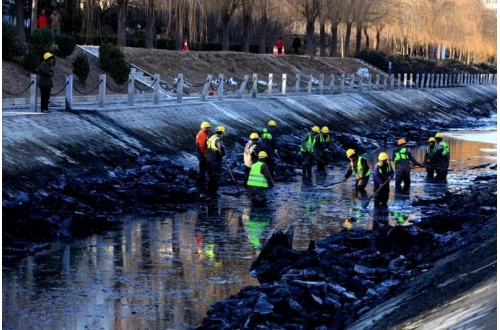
{"x":121,"y":90}
{"x":16,"y":94}
{"x":93,"y":90}
{"x":54,"y":94}
{"x":145,"y":90}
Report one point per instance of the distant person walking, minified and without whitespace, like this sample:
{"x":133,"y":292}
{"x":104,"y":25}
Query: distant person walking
{"x":279,"y":45}
{"x":43,"y":20}
{"x":55,"y":23}
{"x":296,"y":44}
{"x":45,"y":74}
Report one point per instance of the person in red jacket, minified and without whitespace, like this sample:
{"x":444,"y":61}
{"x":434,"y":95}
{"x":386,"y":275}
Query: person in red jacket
{"x":43,"y":20}
{"x":279,"y":45}
{"x":201,"y":154}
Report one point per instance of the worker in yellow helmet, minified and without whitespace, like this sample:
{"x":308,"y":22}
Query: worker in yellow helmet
{"x":201,"y":154}
{"x":216,"y":151}
{"x":431,"y":159}
{"x":260,"y":179}
{"x":382,"y":174}
{"x":322,"y":148}
{"x":250,"y":153}
{"x":359,"y":166}
{"x":45,"y":74}
{"x":402,"y":157}
{"x":307,"y":152}
{"x":443,"y":158}
{"x":269,"y":144}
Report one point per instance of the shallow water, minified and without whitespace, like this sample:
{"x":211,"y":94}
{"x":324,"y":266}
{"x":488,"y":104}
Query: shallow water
{"x":163,"y":273}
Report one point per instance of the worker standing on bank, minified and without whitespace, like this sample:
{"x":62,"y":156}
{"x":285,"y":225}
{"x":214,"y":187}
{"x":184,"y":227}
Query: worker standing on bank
{"x":443,"y":158}
{"x":402,"y":158}
{"x":430,"y":158}
{"x":307,"y":152}
{"x":382,"y":173}
{"x":358,"y":166}
{"x":202,"y":153}
{"x":250,"y":153}
{"x":260,"y":179}
{"x":215,"y":153}
{"x":269,"y":144}
{"x":322,"y":148}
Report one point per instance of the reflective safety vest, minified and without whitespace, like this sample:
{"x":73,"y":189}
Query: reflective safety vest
{"x":211,"y":143}
{"x":309,"y":144}
{"x":446,"y":148}
{"x":322,"y":139}
{"x":431,"y":151}
{"x":266,"y":135}
{"x":359,"y":169}
{"x":389,"y":168}
{"x":256,"y":179}
{"x":401,"y":155}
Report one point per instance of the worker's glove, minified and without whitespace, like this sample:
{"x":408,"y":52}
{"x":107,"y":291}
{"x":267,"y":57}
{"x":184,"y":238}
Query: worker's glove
{"x":345,"y":179}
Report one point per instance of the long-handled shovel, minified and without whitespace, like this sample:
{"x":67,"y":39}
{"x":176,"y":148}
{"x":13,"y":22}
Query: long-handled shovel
{"x":232,"y":177}
{"x":367,"y":201}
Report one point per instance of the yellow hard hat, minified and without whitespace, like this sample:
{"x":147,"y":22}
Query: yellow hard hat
{"x":262,"y":154}
{"x":47,"y":55}
{"x":401,"y":141}
{"x":382,"y":156}
{"x":315,"y":129}
{"x":272,"y":123}
{"x":350,"y":152}
{"x":254,"y":136}
{"x":431,"y":139}
{"x":205,"y":124}
{"x":220,"y":129}
{"x":439,"y":135}
{"x":324,"y":130}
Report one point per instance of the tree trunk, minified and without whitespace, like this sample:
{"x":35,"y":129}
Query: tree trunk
{"x":263,"y":33}
{"x":310,"y":36}
{"x":322,"y":39}
{"x":377,"y":40}
{"x":150,"y":23}
{"x":121,"y":35}
{"x":367,"y":38}
{"x":226,"y":20}
{"x":34,"y":10}
{"x":335,"y":40}
{"x":358,"y":39}
{"x":347,"y":37}
{"x":247,"y":20}
{"x":20,"y":20}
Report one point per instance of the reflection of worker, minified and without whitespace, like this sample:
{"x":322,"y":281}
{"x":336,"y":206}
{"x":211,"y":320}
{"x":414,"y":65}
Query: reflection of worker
{"x":359,"y":166}
{"x":260,"y":179}
{"x":382,"y":174}
{"x":256,"y":226}
{"x":443,"y":158}
{"x":402,"y":158}
{"x":201,"y":153}
{"x":216,"y":151}
{"x":430,"y":158}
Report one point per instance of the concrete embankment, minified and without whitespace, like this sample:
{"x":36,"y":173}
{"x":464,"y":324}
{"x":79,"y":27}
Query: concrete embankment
{"x":37,"y":148}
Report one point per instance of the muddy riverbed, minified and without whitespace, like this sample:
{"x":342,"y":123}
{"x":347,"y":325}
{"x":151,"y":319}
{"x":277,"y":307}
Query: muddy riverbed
{"x":163,"y":271}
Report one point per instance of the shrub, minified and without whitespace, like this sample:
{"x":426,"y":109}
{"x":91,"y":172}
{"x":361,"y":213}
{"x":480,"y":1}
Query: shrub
{"x":31,"y":61}
{"x":113,"y":61}
{"x":81,"y":68}
{"x":12,"y":45}
{"x":66,"y":45}
{"x":120,"y":72}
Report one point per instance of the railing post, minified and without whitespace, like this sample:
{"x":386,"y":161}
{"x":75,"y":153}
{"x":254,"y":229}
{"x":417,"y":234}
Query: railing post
{"x":342,"y":83}
{"x":399,"y":81}
{"x":428,"y":83}
{"x":422,"y":80}
{"x":361,"y":84}
{"x":386,"y":77}
{"x":331,"y":88}
{"x":220,"y":88}
{"x":180,"y":87}
{"x":369,"y":82}
{"x":102,"y":90}
{"x":411,"y":80}
{"x":254,"y":86}
{"x":69,"y":92}
{"x":351,"y":83}
{"x":156,"y":89}
{"x":283,"y":85}
{"x":321,"y":82}
{"x":270,"y":85}
{"x":309,"y":85}
{"x":131,"y":86}
{"x":297,"y":83}
{"x":205,"y":88}
{"x":391,"y":87}
{"x":377,"y":81}
{"x":405,"y":80}
{"x":33,"y":93}
{"x":239,"y":95}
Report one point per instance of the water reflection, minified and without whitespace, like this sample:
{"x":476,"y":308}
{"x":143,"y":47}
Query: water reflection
{"x":164,"y":272}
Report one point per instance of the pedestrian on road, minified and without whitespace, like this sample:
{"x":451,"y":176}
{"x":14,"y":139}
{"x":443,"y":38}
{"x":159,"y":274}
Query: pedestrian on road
{"x":269,"y":144}
{"x":322,"y":148}
{"x":55,"y":23}
{"x":359,"y":166}
{"x":216,"y":152}
{"x":260,"y":179}
{"x":201,"y":154}
{"x":279,"y":45}
{"x":443,"y":158}
{"x":431,"y":159}
{"x":45,"y":74}
{"x":403,"y":158}
{"x":382,"y":173}
{"x":43,"y":20}
{"x":307,"y":152}
{"x":250,"y":154}
{"x":296,"y":44}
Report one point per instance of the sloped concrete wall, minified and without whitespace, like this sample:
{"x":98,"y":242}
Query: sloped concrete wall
{"x":37,"y":148}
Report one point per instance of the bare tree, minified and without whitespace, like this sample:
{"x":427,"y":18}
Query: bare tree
{"x":150,"y":22}
{"x":121,"y":35}
{"x":309,"y":9}
{"x":20,"y":20}
{"x":247,"y":6}
{"x":227,"y":9}
{"x":335,"y":13}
